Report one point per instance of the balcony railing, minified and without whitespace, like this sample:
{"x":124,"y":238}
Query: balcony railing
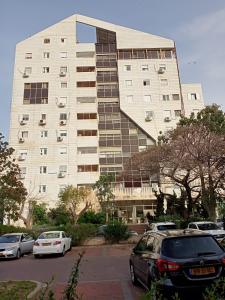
{"x":133,"y":193}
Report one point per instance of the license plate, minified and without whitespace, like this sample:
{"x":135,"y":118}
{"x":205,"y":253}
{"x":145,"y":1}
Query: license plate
{"x":46,"y":244}
{"x":202,"y":271}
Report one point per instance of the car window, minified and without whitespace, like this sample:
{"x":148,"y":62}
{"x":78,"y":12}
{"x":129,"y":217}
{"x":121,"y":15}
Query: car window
{"x":191,"y":246}
{"x":49,"y":235}
{"x":166,"y":227}
{"x":9,"y":238}
{"x":192,"y":226}
{"x":63,"y":235}
{"x":208,"y":226}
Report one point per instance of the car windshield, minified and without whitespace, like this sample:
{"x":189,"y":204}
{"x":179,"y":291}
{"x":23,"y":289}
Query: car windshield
{"x":49,"y":235}
{"x":208,"y":226}
{"x":166,"y":227}
{"x":190,"y":247}
{"x":9,"y":238}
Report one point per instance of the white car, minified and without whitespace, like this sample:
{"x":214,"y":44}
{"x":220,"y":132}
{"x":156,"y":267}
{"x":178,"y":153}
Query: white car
{"x":52,"y":242}
{"x":209,"y":227}
{"x":162,"y":226}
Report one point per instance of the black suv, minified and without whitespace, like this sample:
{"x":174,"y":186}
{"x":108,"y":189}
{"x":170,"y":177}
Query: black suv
{"x":183,"y":261}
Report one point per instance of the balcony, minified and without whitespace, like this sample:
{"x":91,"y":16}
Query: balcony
{"x":141,"y":193}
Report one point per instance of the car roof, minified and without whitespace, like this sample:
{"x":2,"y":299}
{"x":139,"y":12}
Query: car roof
{"x":178,"y":233}
{"x":202,"y":222}
{"x":14,"y":233}
{"x":54,"y":231}
{"x":164,"y":223}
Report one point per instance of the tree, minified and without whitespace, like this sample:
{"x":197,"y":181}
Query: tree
{"x":59,"y":215}
{"x":104,"y":192}
{"x":12,"y":191}
{"x":75,"y":200}
{"x":40,"y":214}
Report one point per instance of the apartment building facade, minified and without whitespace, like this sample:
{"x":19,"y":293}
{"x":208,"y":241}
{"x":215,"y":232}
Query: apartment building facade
{"x":80,"y":110}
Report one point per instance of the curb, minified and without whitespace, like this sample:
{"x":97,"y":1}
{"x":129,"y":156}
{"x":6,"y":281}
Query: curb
{"x":39,"y":286}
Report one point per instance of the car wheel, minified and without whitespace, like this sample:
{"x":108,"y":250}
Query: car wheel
{"x":18,"y":254}
{"x":36,"y":256}
{"x":63,"y":252}
{"x":70,"y":248}
{"x":133,"y":275}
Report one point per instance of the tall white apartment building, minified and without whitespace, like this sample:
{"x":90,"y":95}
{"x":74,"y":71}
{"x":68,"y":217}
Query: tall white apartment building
{"x":83,"y":109}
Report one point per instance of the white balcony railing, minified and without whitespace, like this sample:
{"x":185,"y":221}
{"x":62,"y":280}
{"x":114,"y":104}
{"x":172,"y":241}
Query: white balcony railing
{"x":133,"y":193}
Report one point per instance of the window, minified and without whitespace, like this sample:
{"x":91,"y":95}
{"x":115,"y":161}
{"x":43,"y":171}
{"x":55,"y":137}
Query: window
{"x":86,"y":132}
{"x":43,"y":151}
{"x":63,"y":169}
{"x":63,"y":133}
{"x":28,"y":55}
{"x":63,"y":40}
{"x":149,"y":115}
{"x":46,"y":41}
{"x":63,"y":54}
{"x":128,"y":83}
{"x":129,"y":98}
{"x":165,"y":97}
{"x":176,"y":96}
{"x":85,"y":116}
{"x":43,"y":116}
{"x":63,"y":116}
{"x":164,"y":82}
{"x":28,"y":70}
{"x":86,"y":99}
{"x":167,"y":115}
{"x":46,"y":55}
{"x":85,"y":54}
{"x":177,"y":113}
{"x":44,"y":133}
{"x":86,"y":69}
{"x":42,"y":188}
{"x":162,"y":68}
{"x":63,"y":84}
{"x":22,"y":155}
{"x":144,"y":68}
{"x":193,"y":96}
{"x":146,"y":82}
{"x":63,"y":70}
{"x":86,"y":150}
{"x":87,"y":168}
{"x":85,"y":83}
{"x":43,"y":169}
{"x":147,"y":98}
{"x":24,"y":134}
{"x":23,"y":170}
{"x":25,"y":117}
{"x":63,"y":150}
{"x":45,"y":70}
{"x":127,"y":68}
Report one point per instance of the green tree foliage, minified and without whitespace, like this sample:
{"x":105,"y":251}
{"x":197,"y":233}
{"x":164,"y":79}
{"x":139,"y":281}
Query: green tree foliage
{"x":92,"y":217}
{"x":40,"y":216}
{"x":104,"y":192}
{"x":59,"y":215}
{"x":75,"y":200}
{"x":12,"y":190}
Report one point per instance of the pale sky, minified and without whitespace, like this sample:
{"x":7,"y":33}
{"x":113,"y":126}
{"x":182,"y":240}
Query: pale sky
{"x":197,"y":26}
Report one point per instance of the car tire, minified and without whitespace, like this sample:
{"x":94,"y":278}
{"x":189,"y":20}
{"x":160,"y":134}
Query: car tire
{"x":18,"y":254}
{"x":63,"y":252}
{"x":133,"y":275}
{"x":70,"y":248}
{"x":36,"y":256}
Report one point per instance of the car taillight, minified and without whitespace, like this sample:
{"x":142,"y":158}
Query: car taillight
{"x":57,"y":243}
{"x":36,"y":244}
{"x":165,"y":265}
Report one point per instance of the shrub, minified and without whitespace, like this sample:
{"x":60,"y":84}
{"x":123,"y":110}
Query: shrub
{"x":92,"y":218}
{"x":80,"y":232}
{"x":116,"y":231}
{"x":59,"y":216}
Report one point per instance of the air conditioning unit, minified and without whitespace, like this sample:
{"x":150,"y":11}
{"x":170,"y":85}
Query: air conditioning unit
{"x":62,"y":74}
{"x":21,"y":140}
{"x":22,"y":122}
{"x":61,"y":104}
{"x":61,"y":175}
{"x":167,"y":119}
{"x":42,"y":122}
{"x":161,"y":70}
{"x":62,"y":122}
{"x":148,"y":119}
{"x":25,"y":75}
{"x":21,"y":157}
{"x":59,"y":139}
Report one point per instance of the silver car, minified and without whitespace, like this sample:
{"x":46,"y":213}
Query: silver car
{"x":13,"y":245}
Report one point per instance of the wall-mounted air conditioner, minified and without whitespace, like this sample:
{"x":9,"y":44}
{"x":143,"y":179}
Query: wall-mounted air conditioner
{"x":62,"y":122}
{"x":167,"y":119}
{"x":42,"y":122}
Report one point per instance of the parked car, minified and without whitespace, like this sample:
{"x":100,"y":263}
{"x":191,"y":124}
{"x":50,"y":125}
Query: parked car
{"x":14,"y":245}
{"x":209,"y":227}
{"x":52,"y":242}
{"x":182,"y":261}
{"x":162,"y":226}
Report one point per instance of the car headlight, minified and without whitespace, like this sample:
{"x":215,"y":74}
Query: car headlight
{"x":11,"y":249}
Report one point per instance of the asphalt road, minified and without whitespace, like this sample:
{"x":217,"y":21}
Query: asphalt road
{"x":105,"y":265}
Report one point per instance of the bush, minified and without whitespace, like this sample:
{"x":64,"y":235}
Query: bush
{"x":59,"y":216}
{"x":116,"y":231}
{"x":80,"y":232}
{"x":92,"y":218}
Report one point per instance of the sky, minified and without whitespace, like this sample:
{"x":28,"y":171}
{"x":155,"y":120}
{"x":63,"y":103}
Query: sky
{"x":198,"y":28}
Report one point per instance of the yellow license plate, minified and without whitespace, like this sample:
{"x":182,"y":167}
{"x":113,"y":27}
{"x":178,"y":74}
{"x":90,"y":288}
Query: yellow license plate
{"x":202,"y":271}
{"x":46,"y":244}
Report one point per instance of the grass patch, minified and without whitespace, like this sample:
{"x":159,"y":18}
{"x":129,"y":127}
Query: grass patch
{"x":16,"y":290}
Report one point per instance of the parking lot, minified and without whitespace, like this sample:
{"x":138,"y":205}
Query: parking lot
{"x":104,"y":272}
